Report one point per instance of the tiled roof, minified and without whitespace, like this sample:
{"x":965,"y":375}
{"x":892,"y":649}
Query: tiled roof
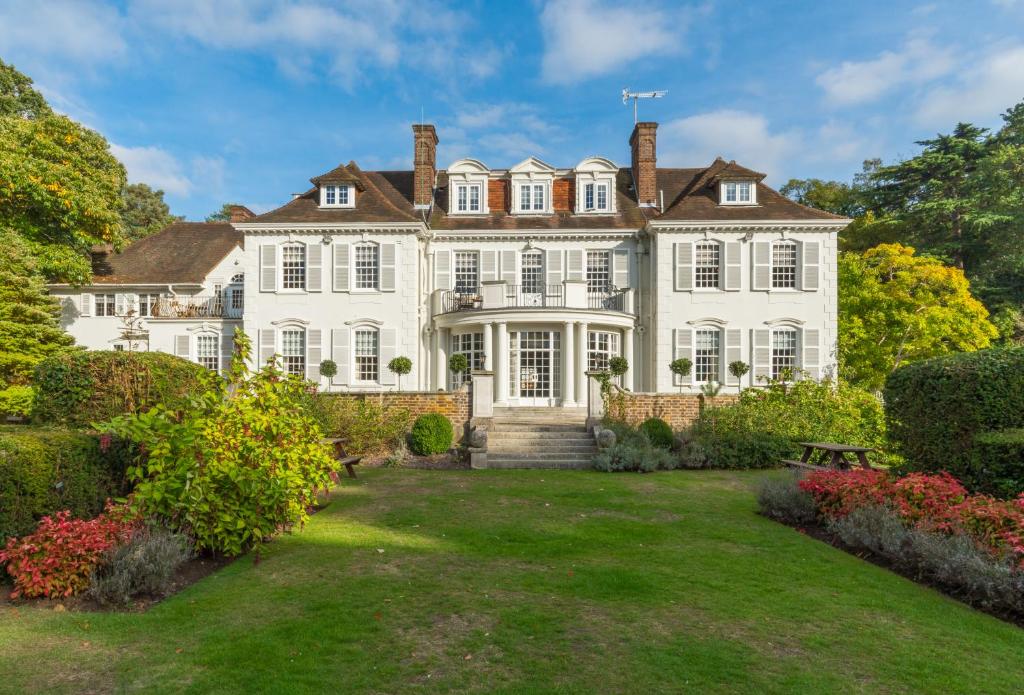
{"x":184,"y":252}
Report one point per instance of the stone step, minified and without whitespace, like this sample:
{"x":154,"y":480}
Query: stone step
{"x":517,"y":463}
{"x":539,"y":410}
{"x":541,"y":445}
{"x":542,"y":456}
{"x":529,"y":433}
{"x":546,"y":426}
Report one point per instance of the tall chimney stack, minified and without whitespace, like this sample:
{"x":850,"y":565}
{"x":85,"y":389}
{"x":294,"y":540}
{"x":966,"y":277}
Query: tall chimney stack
{"x":643,"y":143}
{"x":424,"y":165}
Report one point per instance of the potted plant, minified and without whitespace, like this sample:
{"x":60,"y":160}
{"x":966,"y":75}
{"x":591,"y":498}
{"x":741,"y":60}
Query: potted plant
{"x":328,"y":369}
{"x":458,"y":363}
{"x":681,"y":367}
{"x":400,"y":366}
{"x":739,"y":369}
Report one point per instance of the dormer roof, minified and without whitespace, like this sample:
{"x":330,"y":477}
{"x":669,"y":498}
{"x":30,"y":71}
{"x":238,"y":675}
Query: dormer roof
{"x":343,"y":173}
{"x":532,"y":165}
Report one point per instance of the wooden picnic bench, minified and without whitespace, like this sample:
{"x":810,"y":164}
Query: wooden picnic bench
{"x":343,"y":458}
{"x":831,"y":455}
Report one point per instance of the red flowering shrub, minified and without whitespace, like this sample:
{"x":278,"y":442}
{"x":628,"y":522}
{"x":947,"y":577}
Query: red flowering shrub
{"x":837,"y":493}
{"x":920,"y":497}
{"x":995,"y":523}
{"x":58,"y":557}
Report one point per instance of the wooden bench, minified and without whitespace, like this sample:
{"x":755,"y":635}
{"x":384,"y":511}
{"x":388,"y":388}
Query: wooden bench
{"x":349,"y":462}
{"x":800,"y":464}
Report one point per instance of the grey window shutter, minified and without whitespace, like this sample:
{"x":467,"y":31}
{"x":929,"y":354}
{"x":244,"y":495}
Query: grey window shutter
{"x":761,"y":266}
{"x":683,"y":348}
{"x":227,"y":351}
{"x":733,"y":353}
{"x":314,"y":267}
{"x":181,"y":346}
{"x":810,"y":360}
{"x":620,"y":268}
{"x":442,"y":270}
{"x":733,"y":266}
{"x":683,"y":252}
{"x":762,"y":361}
{"x":810,"y":262}
{"x":388,"y":267}
{"x":314,"y":354}
{"x":267,"y":346}
{"x":553,"y":262}
{"x":508,"y":267}
{"x":574,"y":269}
{"x":120,"y":304}
{"x":388,"y":345}
{"x":268,"y":268}
{"x":342,"y":254}
{"x":488,"y":265}
{"x":340,"y":351}
{"x":85,"y":308}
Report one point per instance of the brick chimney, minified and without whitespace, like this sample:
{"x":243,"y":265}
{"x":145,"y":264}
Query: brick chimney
{"x":643,"y":143}
{"x":424,"y":165}
{"x":240,"y":213}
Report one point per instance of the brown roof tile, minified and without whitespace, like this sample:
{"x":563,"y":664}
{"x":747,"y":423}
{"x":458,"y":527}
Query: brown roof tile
{"x":184,"y":252}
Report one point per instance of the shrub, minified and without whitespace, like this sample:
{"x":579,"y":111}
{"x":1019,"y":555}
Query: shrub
{"x":57,"y":559}
{"x":78,"y":388}
{"x":145,"y":565}
{"x":705,"y":448}
{"x":400,"y":366}
{"x":632,"y":451}
{"x":366,"y":423}
{"x":936,"y":408}
{"x":997,"y":463}
{"x":782,"y":499}
{"x":681,"y":367}
{"x":458,"y":363}
{"x":17,"y":400}
{"x":45,"y":471}
{"x":328,"y":368}
{"x":658,"y":432}
{"x":242,"y":462}
{"x":837,"y":493}
{"x":873,"y":527}
{"x":431,"y":434}
{"x":618,"y":365}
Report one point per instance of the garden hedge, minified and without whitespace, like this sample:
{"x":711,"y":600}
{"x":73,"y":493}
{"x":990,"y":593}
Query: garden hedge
{"x":997,"y":465}
{"x":658,"y":432}
{"x":80,"y":388}
{"x":43,"y":471}
{"x":936,"y":408}
{"x":432,"y":433}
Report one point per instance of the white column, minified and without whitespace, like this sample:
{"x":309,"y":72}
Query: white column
{"x":569,"y":362}
{"x":441,"y":359}
{"x":501,"y":364}
{"x":488,"y":346}
{"x":627,"y":352}
{"x":581,"y":363}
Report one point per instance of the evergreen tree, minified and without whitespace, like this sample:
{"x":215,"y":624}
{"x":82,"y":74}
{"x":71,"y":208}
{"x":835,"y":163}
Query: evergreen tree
{"x":145,"y":211}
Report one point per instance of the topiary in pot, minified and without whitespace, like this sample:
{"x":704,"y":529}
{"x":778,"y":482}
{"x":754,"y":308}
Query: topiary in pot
{"x":681,"y":367}
{"x":432,"y":433}
{"x":400,"y":366}
{"x":458,"y":363}
{"x":739,"y":369}
{"x":618,"y":365}
{"x":658,"y":432}
{"x":328,"y":368}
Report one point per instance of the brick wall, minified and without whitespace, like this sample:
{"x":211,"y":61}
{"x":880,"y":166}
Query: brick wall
{"x":679,"y":410}
{"x":454,"y":405}
{"x":497,"y":195}
{"x":562,"y":195}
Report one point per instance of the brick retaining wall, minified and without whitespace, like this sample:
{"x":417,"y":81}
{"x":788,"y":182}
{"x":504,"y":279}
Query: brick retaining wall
{"x":454,"y":405}
{"x":679,"y":410}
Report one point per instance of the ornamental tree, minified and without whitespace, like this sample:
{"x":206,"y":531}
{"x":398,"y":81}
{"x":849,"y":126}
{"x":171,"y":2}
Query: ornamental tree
{"x":400,"y":366}
{"x":739,"y":369}
{"x":681,"y":367}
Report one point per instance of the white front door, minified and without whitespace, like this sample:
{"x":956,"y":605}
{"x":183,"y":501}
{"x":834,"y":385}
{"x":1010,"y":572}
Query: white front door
{"x":535,"y":366}
{"x":531,"y":278}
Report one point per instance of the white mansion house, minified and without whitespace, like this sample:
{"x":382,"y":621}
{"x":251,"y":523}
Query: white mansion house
{"x":538,"y":273}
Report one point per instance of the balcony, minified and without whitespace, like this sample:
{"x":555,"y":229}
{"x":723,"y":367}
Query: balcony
{"x":571,"y":294}
{"x":195,"y":308}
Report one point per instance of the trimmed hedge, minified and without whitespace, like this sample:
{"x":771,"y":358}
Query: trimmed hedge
{"x":936,"y":408}
{"x":431,"y":434}
{"x":43,"y":471}
{"x":80,"y":388}
{"x":658,"y":432}
{"x":997,"y":465}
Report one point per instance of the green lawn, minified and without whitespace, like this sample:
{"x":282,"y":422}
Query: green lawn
{"x":530,"y":581}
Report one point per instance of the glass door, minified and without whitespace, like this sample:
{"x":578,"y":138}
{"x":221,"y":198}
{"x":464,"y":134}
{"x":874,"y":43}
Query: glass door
{"x":535,"y":367}
{"x":531,"y":278}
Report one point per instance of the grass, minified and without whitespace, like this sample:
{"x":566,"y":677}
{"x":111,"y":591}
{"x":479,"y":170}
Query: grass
{"x":530,"y":582}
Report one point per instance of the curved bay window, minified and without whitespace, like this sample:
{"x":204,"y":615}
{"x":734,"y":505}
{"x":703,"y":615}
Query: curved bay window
{"x":601,"y":347}
{"x":472,"y":346}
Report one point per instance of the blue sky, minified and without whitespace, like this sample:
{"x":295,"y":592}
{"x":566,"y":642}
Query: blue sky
{"x":245,"y":101}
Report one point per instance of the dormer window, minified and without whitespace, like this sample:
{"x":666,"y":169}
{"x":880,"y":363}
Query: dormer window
{"x":467,"y":197}
{"x":336,"y":196}
{"x":532,"y":181}
{"x":467,"y":185}
{"x":738,"y":193}
{"x":595,"y":185}
{"x":531,"y":197}
{"x":595,"y":197}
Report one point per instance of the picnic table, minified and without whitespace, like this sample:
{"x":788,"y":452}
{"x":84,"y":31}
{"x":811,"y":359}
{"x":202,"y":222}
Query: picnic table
{"x":831,"y":454}
{"x":343,"y":458}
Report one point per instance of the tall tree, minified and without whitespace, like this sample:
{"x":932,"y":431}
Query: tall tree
{"x":145,"y":211}
{"x":17,"y":95}
{"x":222,"y":215}
{"x":831,"y":196}
{"x":897,"y":307}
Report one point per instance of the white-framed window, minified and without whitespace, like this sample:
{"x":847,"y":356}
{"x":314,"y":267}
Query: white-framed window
{"x":784,"y":347}
{"x":531,"y":272}
{"x":367,"y":267}
{"x":293,"y":267}
{"x":106,"y":304}
{"x":208,"y":351}
{"x":472,"y":346}
{"x":599,"y":271}
{"x":595,"y":197}
{"x":148,"y":304}
{"x":784,"y":262}
{"x":467,"y":197}
{"x":367,"y":355}
{"x":532,"y":197}
{"x":337,"y":196}
{"x":737,"y":193}
{"x":467,"y":274}
{"x":236,"y":292}
{"x":293,"y":351}
{"x":707,"y":355}
{"x":601,"y":347}
{"x":707,"y":264}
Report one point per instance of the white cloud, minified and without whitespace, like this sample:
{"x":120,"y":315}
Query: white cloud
{"x":989,"y":86}
{"x":154,"y":166}
{"x":586,"y":38}
{"x":82,"y":32}
{"x":853,"y":82}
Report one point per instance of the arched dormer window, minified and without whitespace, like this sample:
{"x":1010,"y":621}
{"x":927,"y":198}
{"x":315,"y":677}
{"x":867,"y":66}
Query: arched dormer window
{"x":467,"y":187}
{"x":595,"y":186}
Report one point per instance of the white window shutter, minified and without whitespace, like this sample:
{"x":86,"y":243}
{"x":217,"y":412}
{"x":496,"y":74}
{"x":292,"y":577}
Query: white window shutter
{"x":388,"y":267}
{"x":732,"y":276}
{"x":683,"y":343}
{"x":227,"y":351}
{"x":341,"y":349}
{"x":733,"y":353}
{"x":314,"y":267}
{"x":181,"y":346}
{"x":120,"y":304}
{"x":574,"y":269}
{"x":762,"y":350}
{"x":508,"y":267}
{"x":314,"y":354}
{"x":268,"y":268}
{"x":810,"y":263}
{"x":85,"y":309}
{"x":342,"y":254}
{"x":761,"y":266}
{"x":442,"y":270}
{"x":488,"y":265}
{"x":683,"y":253}
{"x":620,"y":268}
{"x":388,"y":346}
{"x":810,"y":360}
{"x":553,"y":261}
{"x":267,"y":346}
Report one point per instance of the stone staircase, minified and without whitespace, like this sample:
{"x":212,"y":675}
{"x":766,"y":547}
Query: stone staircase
{"x":539,"y":438}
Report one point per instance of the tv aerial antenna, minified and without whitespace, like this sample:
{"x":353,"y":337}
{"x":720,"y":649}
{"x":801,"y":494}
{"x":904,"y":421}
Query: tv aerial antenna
{"x":637,"y":96}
